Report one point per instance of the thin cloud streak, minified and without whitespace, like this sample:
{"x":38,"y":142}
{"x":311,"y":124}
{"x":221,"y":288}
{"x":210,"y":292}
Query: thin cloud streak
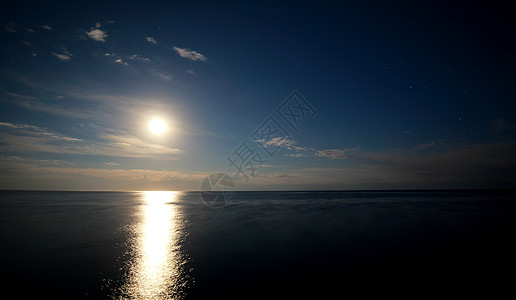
{"x":190,"y":54}
{"x":23,"y":138}
{"x":336,"y":153}
{"x":19,"y":171}
{"x":34,"y":103}
{"x":64,"y":55}
{"x":47,"y":27}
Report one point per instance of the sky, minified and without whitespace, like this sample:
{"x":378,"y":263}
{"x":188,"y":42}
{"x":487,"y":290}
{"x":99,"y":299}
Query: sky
{"x":278,"y":95}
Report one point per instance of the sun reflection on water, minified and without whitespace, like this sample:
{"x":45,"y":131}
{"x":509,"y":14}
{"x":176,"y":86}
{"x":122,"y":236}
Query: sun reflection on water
{"x":156,"y":271}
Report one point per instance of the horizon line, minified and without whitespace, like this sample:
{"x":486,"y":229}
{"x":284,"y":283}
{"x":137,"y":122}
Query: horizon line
{"x":321,"y":190}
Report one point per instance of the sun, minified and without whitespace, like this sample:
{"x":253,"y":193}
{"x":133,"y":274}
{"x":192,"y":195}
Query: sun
{"x":157,"y":126}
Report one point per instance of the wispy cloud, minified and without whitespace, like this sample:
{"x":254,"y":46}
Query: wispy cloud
{"x":162,"y":75}
{"x":21,"y":173}
{"x":455,"y":166}
{"x":10,"y":27}
{"x":21,"y":97}
{"x":500,"y":126}
{"x":13,"y":28}
{"x":23,"y":138}
{"x":34,"y":103}
{"x":139,"y":58}
{"x":111,"y":164}
{"x":425,"y":146}
{"x":285,"y":142}
{"x":47,"y":27}
{"x":190,"y":54}
{"x":296,"y":155}
{"x":96,"y":34}
{"x":37,"y":162}
{"x":64,"y":55}
{"x":120,"y":58}
{"x":289,"y":144}
{"x":150,"y":39}
{"x":36,"y":131}
{"x":335,"y":153}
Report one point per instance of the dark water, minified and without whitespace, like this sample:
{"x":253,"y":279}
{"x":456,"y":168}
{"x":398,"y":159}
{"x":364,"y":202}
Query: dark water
{"x":139,"y":245}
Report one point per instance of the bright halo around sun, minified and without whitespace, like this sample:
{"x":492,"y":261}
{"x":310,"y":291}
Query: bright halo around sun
{"x":157,"y":126}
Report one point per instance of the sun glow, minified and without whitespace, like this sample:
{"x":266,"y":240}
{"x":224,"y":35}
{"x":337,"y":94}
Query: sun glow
{"x":157,"y":126}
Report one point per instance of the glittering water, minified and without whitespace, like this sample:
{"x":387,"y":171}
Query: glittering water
{"x":155,"y":268}
{"x":169,"y":245}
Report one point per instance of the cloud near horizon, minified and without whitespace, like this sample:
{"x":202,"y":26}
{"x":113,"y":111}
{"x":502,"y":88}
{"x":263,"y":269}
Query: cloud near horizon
{"x":46,"y":175}
{"x":461,"y":166}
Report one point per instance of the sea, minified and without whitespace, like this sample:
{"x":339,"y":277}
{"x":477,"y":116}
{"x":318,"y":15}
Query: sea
{"x":287,"y":245}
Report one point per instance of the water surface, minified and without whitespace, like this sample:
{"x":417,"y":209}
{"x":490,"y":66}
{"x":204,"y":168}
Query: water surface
{"x":169,"y":245}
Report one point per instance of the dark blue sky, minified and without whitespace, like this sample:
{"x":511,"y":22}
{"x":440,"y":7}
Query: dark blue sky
{"x":415,"y":94}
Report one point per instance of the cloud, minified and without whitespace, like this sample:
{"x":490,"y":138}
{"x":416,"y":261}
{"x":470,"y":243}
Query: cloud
{"x":34,"y":103}
{"x":190,"y":54}
{"x":120,"y":58}
{"x":64,"y":56}
{"x":36,"y":131}
{"x":190,"y":72}
{"x":111,"y":164}
{"x":47,"y":27}
{"x":425,"y":146}
{"x":335,"y":153}
{"x":13,"y":28}
{"x":120,"y":61}
{"x":459,"y":166}
{"x":287,"y":143}
{"x":21,"y":97}
{"x":10,"y":27}
{"x":23,"y":138}
{"x":57,"y":110}
{"x":162,"y":75}
{"x":22,"y":173}
{"x":38,"y":162}
{"x":284,"y":142}
{"x":150,"y":39}
{"x":500,"y":126}
{"x":96,"y":34}
{"x":278,"y":142}
{"x":296,"y":155}
{"x":140,"y":58}
{"x":455,"y":166}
